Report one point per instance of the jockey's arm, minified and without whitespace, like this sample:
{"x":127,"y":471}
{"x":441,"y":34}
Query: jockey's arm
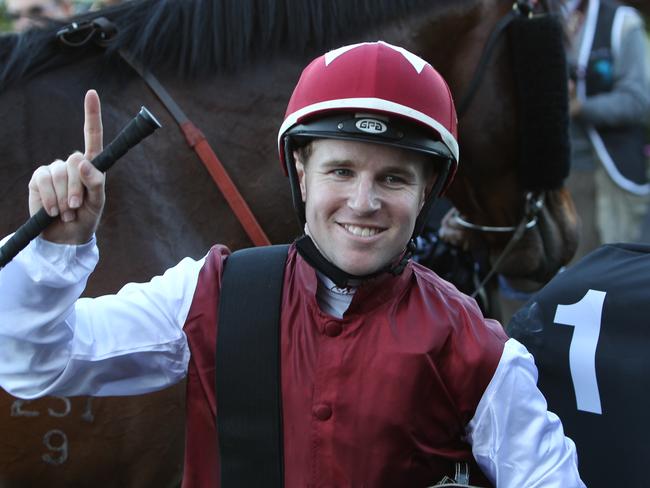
{"x":515,"y":440}
{"x":54,"y":343}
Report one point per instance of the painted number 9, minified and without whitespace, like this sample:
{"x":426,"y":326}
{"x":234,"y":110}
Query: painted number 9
{"x":585,"y":316}
{"x":59,"y":450}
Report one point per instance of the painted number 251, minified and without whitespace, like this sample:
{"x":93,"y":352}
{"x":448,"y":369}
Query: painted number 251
{"x":585,"y":316}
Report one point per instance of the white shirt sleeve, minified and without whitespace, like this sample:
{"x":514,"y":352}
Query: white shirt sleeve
{"x":516,"y":441}
{"x":53,"y":343}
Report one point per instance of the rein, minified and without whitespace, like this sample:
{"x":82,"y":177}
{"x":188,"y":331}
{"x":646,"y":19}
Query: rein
{"x":533,"y":203}
{"x":102,"y":31}
{"x":520,"y":8}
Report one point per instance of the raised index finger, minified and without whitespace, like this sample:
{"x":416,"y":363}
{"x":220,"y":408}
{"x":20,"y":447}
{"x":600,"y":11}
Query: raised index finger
{"x":93,"y":131}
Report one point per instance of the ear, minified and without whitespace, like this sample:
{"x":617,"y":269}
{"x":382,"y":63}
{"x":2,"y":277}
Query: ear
{"x":300,"y":172}
{"x":428,"y":188}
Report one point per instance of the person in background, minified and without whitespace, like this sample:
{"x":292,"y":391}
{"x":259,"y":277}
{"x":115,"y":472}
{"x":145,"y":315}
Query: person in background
{"x":609,"y":104}
{"x":27,"y":14}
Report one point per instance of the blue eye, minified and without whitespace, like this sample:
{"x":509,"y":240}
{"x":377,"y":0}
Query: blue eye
{"x":393,"y":180}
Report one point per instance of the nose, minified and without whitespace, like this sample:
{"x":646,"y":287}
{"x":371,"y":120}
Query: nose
{"x":364,"y":197}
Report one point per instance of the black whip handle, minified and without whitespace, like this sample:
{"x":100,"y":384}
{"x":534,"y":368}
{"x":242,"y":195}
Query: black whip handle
{"x":141,"y":126}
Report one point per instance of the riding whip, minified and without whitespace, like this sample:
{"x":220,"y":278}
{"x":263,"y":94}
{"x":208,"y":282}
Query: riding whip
{"x":141,"y":126}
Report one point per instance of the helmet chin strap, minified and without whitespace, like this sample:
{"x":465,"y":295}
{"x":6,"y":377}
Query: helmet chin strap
{"x":310,"y":253}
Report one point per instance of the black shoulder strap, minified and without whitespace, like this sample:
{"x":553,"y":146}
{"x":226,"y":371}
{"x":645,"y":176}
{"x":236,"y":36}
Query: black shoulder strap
{"x":249,"y":407}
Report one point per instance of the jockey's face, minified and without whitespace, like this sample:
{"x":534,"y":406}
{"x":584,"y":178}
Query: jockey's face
{"x":361,"y":201}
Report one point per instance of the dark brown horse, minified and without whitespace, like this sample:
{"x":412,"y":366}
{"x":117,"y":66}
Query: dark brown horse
{"x":231,"y":66}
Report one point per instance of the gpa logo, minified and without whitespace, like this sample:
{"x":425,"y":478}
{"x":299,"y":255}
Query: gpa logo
{"x":372,"y":126}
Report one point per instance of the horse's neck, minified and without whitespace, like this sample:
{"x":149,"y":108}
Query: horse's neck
{"x":449,"y":35}
{"x":429,"y":32}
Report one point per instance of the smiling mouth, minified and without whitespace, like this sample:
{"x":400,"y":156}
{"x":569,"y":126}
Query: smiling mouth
{"x":361,"y":231}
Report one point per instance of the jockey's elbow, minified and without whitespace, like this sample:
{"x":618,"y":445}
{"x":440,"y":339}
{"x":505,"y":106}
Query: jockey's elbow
{"x":28,"y":372}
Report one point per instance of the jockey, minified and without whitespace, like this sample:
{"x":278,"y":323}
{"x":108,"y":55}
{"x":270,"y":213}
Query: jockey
{"x":389,"y":375}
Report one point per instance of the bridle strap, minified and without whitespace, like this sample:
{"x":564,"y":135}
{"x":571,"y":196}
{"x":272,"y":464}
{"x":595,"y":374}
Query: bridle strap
{"x":519,"y":8}
{"x":516,"y":237}
{"x":460,"y":220}
{"x":533,"y":205}
{"x":101,"y":31}
{"x":197,"y":141}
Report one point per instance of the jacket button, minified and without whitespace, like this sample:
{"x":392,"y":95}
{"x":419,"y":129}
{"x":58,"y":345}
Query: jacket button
{"x":333,"y":329}
{"x":322,"y":412}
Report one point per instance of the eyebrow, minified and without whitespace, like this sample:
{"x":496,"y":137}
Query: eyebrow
{"x":337,"y":162}
{"x":404,"y":170}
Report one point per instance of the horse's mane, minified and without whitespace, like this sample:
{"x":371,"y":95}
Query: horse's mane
{"x":195,"y":37}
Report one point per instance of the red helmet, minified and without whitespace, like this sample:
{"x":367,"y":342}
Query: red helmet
{"x":373,"y":92}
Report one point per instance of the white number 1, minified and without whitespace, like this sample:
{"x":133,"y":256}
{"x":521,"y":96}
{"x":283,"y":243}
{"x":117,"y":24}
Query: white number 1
{"x":585,"y":316}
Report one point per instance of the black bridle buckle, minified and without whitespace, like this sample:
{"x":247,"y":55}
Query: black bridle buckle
{"x":100,"y":31}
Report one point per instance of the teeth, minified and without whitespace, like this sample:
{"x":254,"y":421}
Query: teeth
{"x":361,"y":231}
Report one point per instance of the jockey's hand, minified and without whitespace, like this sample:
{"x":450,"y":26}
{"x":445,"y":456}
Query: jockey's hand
{"x":73,"y":190}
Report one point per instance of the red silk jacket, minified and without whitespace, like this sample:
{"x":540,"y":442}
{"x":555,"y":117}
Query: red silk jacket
{"x":378,"y":398}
